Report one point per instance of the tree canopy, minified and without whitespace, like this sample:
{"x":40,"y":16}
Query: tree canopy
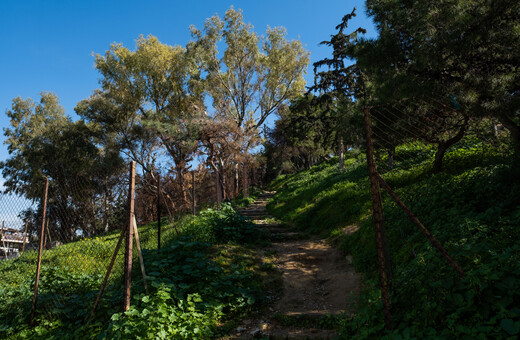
{"x":255,"y":75}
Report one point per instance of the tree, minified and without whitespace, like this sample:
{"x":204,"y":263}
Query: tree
{"x":249,"y":82}
{"x":151,"y":97}
{"x":44,"y":143}
{"x":382,"y":76}
{"x":466,"y":49}
{"x":310,"y":128}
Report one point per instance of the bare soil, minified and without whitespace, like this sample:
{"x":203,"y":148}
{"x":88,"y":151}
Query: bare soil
{"x":318,"y":280}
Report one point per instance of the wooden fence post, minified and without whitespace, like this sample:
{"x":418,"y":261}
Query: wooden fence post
{"x":40,"y":248}
{"x":107,"y":274}
{"x":159,"y":211}
{"x":377,"y":213}
{"x":129,"y":240}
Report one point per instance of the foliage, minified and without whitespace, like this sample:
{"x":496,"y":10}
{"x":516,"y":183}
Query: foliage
{"x":44,"y":143}
{"x":195,"y":286}
{"x":163,"y":317}
{"x":255,"y":75}
{"x":466,"y":50}
{"x":471,"y":208}
{"x":192,"y":293}
{"x":222,"y":226}
{"x":151,"y":98}
{"x":305,"y":133}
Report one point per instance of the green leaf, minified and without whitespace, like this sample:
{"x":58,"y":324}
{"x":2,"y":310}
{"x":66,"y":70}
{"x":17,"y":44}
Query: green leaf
{"x":511,"y":327}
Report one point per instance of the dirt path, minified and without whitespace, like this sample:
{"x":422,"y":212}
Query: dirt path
{"x":318,"y":280}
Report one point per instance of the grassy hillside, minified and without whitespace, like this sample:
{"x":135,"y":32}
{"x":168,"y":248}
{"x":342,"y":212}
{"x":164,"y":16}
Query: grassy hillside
{"x":199,"y":281}
{"x":473,"y":208}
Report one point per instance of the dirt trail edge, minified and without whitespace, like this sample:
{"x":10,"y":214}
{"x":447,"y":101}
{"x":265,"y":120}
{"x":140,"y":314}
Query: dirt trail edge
{"x":318,"y":280}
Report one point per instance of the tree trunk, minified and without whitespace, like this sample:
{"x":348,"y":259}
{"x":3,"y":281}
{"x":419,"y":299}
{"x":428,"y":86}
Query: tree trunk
{"x":514,"y":129}
{"x":237,"y":183}
{"x":105,"y":207}
{"x":341,"y":154}
{"x":244,"y":179}
{"x":391,"y":157}
{"x":182,"y":187}
{"x":217,"y":188}
{"x":94,"y":217}
{"x":223,"y":183}
{"x":437,"y":163}
{"x":443,"y":146}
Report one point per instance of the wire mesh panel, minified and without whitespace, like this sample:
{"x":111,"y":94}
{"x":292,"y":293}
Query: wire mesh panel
{"x":81,"y":229}
{"x":18,"y":229}
{"x":18,"y":245}
{"x":433,"y":162}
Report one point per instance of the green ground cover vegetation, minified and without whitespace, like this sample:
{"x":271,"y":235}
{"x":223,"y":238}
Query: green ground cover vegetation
{"x":201,"y":279}
{"x":472,"y":208}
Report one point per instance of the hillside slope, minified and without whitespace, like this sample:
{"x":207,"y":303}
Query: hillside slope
{"x":472,"y":208}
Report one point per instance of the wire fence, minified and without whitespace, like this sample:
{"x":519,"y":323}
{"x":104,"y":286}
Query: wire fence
{"x":408,"y":143}
{"x":67,"y":256}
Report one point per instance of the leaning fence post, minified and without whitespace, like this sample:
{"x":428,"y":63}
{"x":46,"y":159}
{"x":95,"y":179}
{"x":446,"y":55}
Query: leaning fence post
{"x":141,"y":260}
{"x":38,"y":265}
{"x":422,"y":228}
{"x":107,"y":274}
{"x":158,"y":211}
{"x":129,"y":240}
{"x":377,"y":212}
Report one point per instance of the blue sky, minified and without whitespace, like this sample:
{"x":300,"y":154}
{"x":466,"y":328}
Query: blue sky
{"x":47,"y":45}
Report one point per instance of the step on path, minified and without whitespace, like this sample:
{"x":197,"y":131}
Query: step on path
{"x":257,"y":212}
{"x":318,"y":280}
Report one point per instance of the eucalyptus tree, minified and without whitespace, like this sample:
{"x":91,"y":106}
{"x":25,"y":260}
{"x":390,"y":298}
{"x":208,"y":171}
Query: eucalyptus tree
{"x":151,"y":98}
{"x":255,"y":74}
{"x":253,"y":77}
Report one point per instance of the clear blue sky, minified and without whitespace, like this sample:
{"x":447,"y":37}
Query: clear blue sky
{"x":47,"y":45}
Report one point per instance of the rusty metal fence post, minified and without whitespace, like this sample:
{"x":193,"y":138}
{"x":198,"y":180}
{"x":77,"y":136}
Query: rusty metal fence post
{"x":129,"y":240}
{"x":377,"y":213}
